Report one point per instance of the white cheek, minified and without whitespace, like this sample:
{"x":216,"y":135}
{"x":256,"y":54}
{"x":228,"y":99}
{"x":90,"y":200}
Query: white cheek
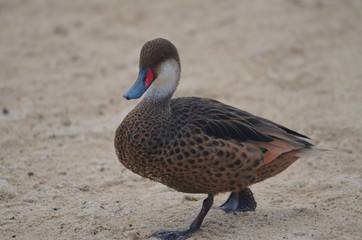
{"x":166,"y":82}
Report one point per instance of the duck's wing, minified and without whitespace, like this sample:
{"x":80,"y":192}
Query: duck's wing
{"x":222,"y":121}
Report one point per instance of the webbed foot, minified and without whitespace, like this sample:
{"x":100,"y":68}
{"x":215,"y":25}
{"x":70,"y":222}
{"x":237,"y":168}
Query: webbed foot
{"x":172,"y":235}
{"x":195,"y":225}
{"x":242,"y":201}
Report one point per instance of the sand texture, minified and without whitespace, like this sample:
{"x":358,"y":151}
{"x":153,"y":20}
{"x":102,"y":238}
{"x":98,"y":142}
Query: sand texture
{"x":64,"y":66}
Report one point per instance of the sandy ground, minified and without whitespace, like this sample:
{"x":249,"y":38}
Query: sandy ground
{"x":64,"y":66}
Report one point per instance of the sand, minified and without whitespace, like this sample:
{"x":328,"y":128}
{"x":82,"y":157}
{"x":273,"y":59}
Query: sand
{"x":64,"y":66}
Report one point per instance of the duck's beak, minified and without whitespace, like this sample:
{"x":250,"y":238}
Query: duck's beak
{"x":144,"y":80}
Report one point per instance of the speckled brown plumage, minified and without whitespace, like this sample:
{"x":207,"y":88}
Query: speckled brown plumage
{"x":198,"y":145}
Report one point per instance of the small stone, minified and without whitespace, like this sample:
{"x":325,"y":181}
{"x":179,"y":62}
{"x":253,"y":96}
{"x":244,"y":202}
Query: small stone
{"x":5,"y":111}
{"x":7,"y":191}
{"x":52,"y":136}
{"x":60,"y":30}
{"x":30,"y":174}
{"x":67,"y":123}
{"x":31,"y":196}
{"x":190,"y":198}
{"x":132,"y":235}
{"x":75,"y":58}
{"x":84,"y":188}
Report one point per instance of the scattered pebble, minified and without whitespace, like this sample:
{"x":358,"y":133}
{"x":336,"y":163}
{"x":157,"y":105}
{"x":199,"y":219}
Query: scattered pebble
{"x":52,"y":136}
{"x":190,"y":198}
{"x":84,"y":187}
{"x":30,"y":174}
{"x":30,"y":198}
{"x":7,"y":191}
{"x":132,"y":235}
{"x":75,"y":58}
{"x":5,"y":111}
{"x":60,"y":30}
{"x":67,"y":123}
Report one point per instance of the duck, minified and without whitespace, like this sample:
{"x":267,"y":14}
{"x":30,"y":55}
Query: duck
{"x":198,"y":145}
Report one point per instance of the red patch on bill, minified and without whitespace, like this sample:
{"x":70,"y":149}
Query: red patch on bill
{"x":149,"y":78}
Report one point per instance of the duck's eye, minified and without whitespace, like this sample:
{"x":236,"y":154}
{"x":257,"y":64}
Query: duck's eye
{"x":162,"y":58}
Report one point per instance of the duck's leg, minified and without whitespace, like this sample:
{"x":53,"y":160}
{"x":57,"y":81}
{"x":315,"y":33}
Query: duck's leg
{"x":195,"y":225}
{"x":242,"y":201}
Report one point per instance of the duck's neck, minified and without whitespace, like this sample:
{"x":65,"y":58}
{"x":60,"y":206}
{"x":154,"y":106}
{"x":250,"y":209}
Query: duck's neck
{"x":165,"y":84}
{"x":156,"y":102}
{"x":161,"y":105}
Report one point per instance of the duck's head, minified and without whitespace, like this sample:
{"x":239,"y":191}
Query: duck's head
{"x":159,"y":72}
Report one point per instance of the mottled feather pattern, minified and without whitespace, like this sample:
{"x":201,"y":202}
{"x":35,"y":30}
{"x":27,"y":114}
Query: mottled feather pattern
{"x":223,"y":121}
{"x":200,"y":145}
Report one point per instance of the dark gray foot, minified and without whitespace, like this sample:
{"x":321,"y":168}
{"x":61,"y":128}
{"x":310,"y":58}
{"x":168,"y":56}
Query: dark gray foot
{"x":242,"y":201}
{"x":172,"y":235}
{"x":195,"y":225}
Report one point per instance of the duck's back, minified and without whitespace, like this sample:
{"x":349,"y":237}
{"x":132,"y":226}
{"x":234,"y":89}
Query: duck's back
{"x":222,"y":121}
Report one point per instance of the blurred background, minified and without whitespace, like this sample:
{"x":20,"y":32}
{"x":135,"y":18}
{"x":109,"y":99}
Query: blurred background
{"x":64,"y":66}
